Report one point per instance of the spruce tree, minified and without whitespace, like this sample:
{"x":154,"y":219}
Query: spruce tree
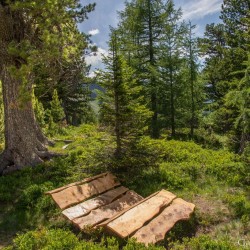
{"x":122,"y":105}
{"x":39,"y":111}
{"x":56,"y":109}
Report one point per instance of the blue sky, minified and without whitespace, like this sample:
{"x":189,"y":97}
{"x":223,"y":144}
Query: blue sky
{"x":200,"y":12}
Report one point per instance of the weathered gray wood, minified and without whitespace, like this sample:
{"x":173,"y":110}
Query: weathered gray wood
{"x":86,"y":206}
{"x":78,"y":193}
{"x":108,"y":211}
{"x":136,"y":217}
{"x":157,"y":228}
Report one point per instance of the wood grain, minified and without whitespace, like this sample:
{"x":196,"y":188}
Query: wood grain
{"x":136,"y":217}
{"x":157,"y":228}
{"x":101,"y":200}
{"x":76,"y":183}
{"x":108,"y":211}
{"x":75,"y":194}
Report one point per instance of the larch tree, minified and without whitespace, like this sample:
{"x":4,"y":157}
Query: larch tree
{"x":226,"y":47}
{"x":240,"y":98}
{"x":32,"y":33}
{"x":192,"y":51}
{"x":171,"y":59}
{"x":142,"y":25}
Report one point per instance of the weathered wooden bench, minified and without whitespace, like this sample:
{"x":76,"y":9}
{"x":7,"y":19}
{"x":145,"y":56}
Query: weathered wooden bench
{"x":101,"y":201}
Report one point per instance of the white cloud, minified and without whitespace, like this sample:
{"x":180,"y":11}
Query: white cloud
{"x":94,"y":32}
{"x":197,"y":9}
{"x":95,"y":58}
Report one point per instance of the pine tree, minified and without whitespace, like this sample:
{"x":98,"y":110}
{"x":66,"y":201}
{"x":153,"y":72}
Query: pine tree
{"x":226,"y":46}
{"x":234,"y":14}
{"x":121,"y":104}
{"x":34,"y":35}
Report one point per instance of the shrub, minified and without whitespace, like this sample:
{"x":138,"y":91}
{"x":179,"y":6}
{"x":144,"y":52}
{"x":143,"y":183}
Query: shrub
{"x":55,"y":239}
{"x":204,"y":242}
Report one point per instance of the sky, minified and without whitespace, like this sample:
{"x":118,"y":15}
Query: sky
{"x":199,"y":12}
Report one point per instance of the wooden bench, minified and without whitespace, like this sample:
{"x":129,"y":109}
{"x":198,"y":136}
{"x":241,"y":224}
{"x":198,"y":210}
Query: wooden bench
{"x":101,"y":201}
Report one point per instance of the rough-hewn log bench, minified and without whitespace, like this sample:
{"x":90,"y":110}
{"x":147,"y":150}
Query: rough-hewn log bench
{"x":101,"y":201}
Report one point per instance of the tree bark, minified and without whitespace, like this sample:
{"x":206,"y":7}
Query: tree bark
{"x":25,"y":144}
{"x":154,"y":123}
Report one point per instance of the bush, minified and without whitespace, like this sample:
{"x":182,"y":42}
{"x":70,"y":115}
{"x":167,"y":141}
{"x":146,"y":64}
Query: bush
{"x":60,"y":239}
{"x":204,"y":242}
{"x":239,"y":204}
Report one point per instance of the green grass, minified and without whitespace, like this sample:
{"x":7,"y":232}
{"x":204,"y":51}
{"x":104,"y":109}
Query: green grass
{"x":216,"y":181}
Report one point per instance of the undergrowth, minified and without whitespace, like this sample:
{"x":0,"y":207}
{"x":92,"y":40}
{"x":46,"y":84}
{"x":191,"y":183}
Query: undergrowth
{"x":216,"y":181}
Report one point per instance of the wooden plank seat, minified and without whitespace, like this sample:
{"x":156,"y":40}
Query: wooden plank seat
{"x":134,"y":218}
{"x":101,"y":201}
{"x":106,"y":212}
{"x":157,"y":228}
{"x":86,"y":206}
{"x":80,"y":191}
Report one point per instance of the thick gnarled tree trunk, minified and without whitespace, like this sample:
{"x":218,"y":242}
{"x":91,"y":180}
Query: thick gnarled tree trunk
{"x":25,"y":145}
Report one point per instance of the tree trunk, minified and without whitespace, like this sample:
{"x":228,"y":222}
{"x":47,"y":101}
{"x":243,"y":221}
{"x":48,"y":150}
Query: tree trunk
{"x":172,"y":104}
{"x":25,"y":144}
{"x":154,"y":123}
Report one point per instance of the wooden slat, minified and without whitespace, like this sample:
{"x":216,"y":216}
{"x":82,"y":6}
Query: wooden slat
{"x":76,"y":183}
{"x":157,"y":228}
{"x":108,"y":211}
{"x":136,"y":217}
{"x":86,"y":206}
{"x":103,"y":224}
{"x":75,"y":194}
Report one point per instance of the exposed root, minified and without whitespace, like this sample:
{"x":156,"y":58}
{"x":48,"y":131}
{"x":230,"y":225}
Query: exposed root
{"x":4,"y":161}
{"x":7,"y":165}
{"x":10,"y":169}
{"x":47,"y":155}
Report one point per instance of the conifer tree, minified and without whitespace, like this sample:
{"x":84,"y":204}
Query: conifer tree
{"x":34,"y":35}
{"x":56,"y":109}
{"x":1,"y":116}
{"x":226,"y":46}
{"x":121,"y":104}
{"x":39,"y":111}
{"x":142,"y":26}
{"x":194,"y":89}
{"x":171,"y":61}
{"x":240,"y":98}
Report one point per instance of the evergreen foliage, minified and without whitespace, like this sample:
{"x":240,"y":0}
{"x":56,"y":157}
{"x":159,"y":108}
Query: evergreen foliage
{"x":1,"y":117}
{"x":56,"y":109}
{"x":39,"y":111}
{"x":226,"y":47}
{"x":153,"y":91}
{"x":122,"y":105}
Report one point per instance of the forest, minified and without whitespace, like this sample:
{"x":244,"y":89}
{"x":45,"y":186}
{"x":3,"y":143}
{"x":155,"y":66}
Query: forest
{"x":169,"y":110}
